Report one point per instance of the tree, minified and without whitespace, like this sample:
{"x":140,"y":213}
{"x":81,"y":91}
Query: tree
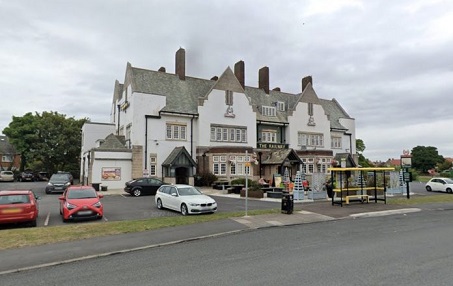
{"x":48,"y":141}
{"x":425,"y":158}
{"x":360,"y":147}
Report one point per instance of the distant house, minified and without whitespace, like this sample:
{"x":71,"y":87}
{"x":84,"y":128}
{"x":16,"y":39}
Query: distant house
{"x":176,"y":127}
{"x":393,"y":162}
{"x":9,"y":159}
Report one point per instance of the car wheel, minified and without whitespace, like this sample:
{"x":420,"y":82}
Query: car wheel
{"x":428,"y":188}
{"x":33,"y":223}
{"x":159,"y":204}
{"x":63,"y":219}
{"x":99,"y":217}
{"x":48,"y":192}
{"x":136,"y":192}
{"x":449,"y":191}
{"x":184,"y":210}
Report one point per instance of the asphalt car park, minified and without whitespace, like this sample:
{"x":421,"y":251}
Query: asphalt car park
{"x":121,"y":207}
{"x":127,"y":207}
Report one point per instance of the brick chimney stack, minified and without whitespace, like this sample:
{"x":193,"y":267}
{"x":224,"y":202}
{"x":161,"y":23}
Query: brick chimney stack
{"x":263,"y":82}
{"x":305,"y":81}
{"x":239,"y":72}
{"x":180,"y":68}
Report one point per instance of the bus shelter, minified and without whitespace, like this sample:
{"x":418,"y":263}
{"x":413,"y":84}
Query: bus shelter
{"x":359,"y":184}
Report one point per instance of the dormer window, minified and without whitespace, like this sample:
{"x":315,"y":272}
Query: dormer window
{"x":268,"y":111}
{"x":280,"y":106}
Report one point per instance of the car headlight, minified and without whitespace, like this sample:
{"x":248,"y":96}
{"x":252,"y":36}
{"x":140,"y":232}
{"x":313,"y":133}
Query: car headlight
{"x":49,"y":184}
{"x":70,"y":206}
{"x":67,"y":184}
{"x":194,"y":204}
{"x":97,"y":205}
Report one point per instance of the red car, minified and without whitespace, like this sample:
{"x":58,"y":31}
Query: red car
{"x":81,"y":202}
{"x":18,"y":206}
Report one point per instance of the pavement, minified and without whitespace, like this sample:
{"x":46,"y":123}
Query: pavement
{"x":306,"y":211}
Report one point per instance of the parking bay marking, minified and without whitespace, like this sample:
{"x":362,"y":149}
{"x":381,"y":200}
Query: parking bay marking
{"x":46,"y":222}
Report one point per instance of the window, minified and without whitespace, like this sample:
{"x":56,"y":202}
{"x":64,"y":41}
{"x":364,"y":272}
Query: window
{"x":176,"y":131}
{"x":228,"y":134}
{"x":268,"y":111}
{"x":336,"y":142}
{"x":228,"y":97}
{"x":219,"y":166}
{"x":269,"y":136}
{"x":7,"y":158}
{"x":280,"y":105}
{"x":310,"y":109}
{"x":153,"y":165}
{"x":239,"y":167}
{"x":128,"y":132}
{"x":310,"y":139}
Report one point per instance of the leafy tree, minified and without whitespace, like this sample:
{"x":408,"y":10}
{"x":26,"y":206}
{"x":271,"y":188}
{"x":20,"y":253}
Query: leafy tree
{"x":360,"y":147}
{"x":445,"y":165}
{"x":425,"y":158}
{"x":48,"y":141}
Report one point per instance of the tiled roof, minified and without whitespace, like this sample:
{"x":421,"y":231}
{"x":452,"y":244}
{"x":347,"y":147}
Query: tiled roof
{"x":5,"y":146}
{"x":184,"y":95}
{"x":113,"y":143}
{"x":172,"y":159}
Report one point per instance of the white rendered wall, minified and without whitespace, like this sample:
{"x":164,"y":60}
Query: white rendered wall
{"x":213,"y":111}
{"x":298,"y":123}
{"x":121,"y":160}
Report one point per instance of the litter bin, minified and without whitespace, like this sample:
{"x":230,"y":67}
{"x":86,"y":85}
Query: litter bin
{"x":287,"y":203}
{"x":96,"y":186}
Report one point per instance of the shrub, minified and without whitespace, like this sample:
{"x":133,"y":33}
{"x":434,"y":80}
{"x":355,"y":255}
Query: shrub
{"x":205,"y":179}
{"x":252,"y":185}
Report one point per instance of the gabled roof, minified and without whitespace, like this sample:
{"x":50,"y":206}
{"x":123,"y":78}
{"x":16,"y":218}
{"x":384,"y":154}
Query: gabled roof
{"x":184,"y":96}
{"x":348,"y":157}
{"x":280,"y":156}
{"x":179,"y":157}
{"x":5,"y":146}
{"x":334,"y":111}
{"x":113,"y":143}
{"x":181,"y":95}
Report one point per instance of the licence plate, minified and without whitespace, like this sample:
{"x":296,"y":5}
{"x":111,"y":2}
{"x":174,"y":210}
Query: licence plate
{"x":11,"y":211}
{"x":84,"y":212}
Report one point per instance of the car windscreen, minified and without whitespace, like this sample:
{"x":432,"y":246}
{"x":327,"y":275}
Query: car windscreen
{"x":59,"y":177}
{"x":14,"y":199}
{"x":189,"y":191}
{"x":82,"y":194}
{"x":449,"y":181}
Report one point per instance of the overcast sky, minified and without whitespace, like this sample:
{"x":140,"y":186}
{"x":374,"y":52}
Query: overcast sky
{"x":388,"y":63}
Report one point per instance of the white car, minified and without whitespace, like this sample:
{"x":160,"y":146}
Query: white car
{"x":185,"y":199}
{"x":6,"y":176}
{"x":440,"y":185}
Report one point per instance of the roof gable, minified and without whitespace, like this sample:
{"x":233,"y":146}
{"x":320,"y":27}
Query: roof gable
{"x":179,"y":157}
{"x":228,"y":81}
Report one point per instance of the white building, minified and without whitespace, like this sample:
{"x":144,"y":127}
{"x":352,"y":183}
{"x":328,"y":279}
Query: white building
{"x":175,"y":126}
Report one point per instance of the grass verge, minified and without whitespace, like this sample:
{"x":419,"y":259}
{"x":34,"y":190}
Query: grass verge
{"x":417,"y":200}
{"x":21,"y":237}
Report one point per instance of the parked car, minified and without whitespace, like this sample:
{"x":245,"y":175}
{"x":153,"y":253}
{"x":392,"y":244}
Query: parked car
{"x":440,"y":185}
{"x":6,"y":176}
{"x":41,"y":176}
{"x":58,"y":182}
{"x":26,"y":176}
{"x":143,"y":186}
{"x":185,"y":199}
{"x":81,"y":202}
{"x":71,"y":178}
{"x":18,"y":206}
